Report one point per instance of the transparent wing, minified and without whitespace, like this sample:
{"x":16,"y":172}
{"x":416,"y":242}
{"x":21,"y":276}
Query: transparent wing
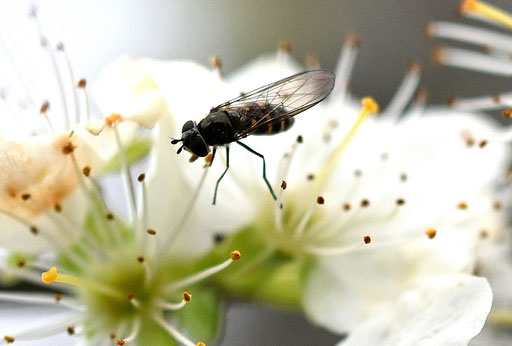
{"x":282,"y":99}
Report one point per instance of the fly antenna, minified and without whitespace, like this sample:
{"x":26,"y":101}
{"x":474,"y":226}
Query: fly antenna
{"x":175,"y":141}
{"x":180,"y":148}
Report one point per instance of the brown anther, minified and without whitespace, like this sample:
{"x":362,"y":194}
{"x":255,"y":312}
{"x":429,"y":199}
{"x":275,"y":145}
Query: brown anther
{"x":34,"y":230}
{"x":235,"y":255}
{"x":112,"y":335}
{"x":216,"y":62}
{"x":312,"y":60}
{"x":486,"y":49}
{"x":310,"y":177}
{"x":285,"y":46}
{"x":283,"y":185}
{"x":346,"y":206}
{"x":86,"y":171}
{"x":353,"y":40}
{"x":193,"y":158}
{"x":9,"y":339}
{"x":367,"y":239}
{"x":400,"y":201}
{"x":365,"y":203}
{"x":496,"y":205}
{"x":358,"y":173}
{"x":208,"y":159}
{"x":320,"y":200}
{"x":218,"y":238}
{"x":21,"y":263}
{"x":187,"y":296}
{"x":109,"y":216}
{"x":507,"y":113}
{"x":70,"y":330}
{"x":120,"y":342}
{"x":58,"y":297}
{"x":300,"y":139}
{"x":26,"y":196}
{"x":484,"y":234}
{"x":57,"y":207}
{"x":82,"y":83}
{"x":482,"y":143}
{"x":113,"y":118}
{"x":68,"y":148}
{"x":140,"y":259}
{"x":44,"y":107}
{"x":429,"y":29}
{"x":151,"y":231}
{"x":462,"y":205}
{"x":414,"y":67}
{"x":431,"y":233}
{"x":438,"y":54}
{"x":131,"y":296}
{"x":451,"y":100}
{"x":496,"y":98}
{"x":141,"y":177}
{"x":403,"y":177}
{"x":421,"y":95}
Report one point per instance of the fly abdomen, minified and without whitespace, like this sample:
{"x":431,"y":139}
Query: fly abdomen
{"x":276,"y":125}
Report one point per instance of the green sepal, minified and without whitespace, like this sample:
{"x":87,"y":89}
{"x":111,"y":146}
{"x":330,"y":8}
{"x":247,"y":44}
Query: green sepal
{"x":136,"y":150}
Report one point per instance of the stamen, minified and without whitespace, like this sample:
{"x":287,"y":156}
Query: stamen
{"x":216,"y":63}
{"x":82,"y":83}
{"x":463,"y":58}
{"x":482,"y":103}
{"x":133,"y":335}
{"x":283,"y":54}
{"x":144,"y":206}
{"x":176,"y":306}
{"x":44,"y":112}
{"x":173,"y":332}
{"x":34,"y":298}
{"x":487,"y":11}
{"x":234,"y":256}
{"x":60,"y":48}
{"x":405,"y":92}
{"x":312,"y":62}
{"x":470,"y":34}
{"x":345,"y":66}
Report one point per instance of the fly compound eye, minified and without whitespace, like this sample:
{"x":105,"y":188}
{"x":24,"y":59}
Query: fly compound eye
{"x":198,"y":146}
{"x":187,"y":126}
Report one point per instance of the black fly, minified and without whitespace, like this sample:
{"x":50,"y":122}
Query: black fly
{"x":264,"y":111}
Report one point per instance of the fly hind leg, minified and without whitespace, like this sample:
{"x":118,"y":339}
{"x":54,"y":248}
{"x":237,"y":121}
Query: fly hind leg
{"x":222,"y":175}
{"x":264,"y":167}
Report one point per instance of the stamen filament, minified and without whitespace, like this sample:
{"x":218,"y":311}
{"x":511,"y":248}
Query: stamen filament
{"x":72,"y":82}
{"x":405,"y":92}
{"x":173,"y":331}
{"x":50,"y":329}
{"x":133,"y":335}
{"x":345,"y":66}
{"x":199,"y":276}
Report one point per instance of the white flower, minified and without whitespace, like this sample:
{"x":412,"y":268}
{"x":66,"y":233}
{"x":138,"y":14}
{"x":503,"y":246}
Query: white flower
{"x":120,"y":280}
{"x":370,"y":211}
{"x":494,"y":257}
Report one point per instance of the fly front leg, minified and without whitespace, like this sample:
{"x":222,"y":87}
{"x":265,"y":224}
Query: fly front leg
{"x":264,"y":167}
{"x":224,"y":173}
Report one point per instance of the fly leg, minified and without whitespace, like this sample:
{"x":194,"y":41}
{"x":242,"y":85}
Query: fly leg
{"x":222,"y":175}
{"x":264,"y":167}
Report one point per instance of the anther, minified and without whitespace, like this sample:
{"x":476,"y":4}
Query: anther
{"x":141,"y":177}
{"x":400,"y":201}
{"x":34,"y":230}
{"x":140,"y":259}
{"x":484,"y":234}
{"x":403,"y":177}
{"x":285,"y":46}
{"x":9,"y":339}
{"x":367,"y":239}
{"x":120,"y":342}
{"x":507,"y":113}
{"x":462,"y":205}
{"x":57,"y":207}
{"x":358,"y":173}
{"x":300,"y":139}
{"x":86,"y":171}
{"x":131,"y":296}
{"x":70,"y":330}
{"x":151,"y":231}
{"x":187,"y":296}
{"x":451,"y":100}
{"x":68,"y":148}
{"x":370,"y":105}
{"x":112,"y":335}
{"x":82,"y":83}
{"x":58,"y":297}
{"x":113,"y":118}
{"x":21,"y":263}
{"x":218,"y":238}
{"x":496,"y":205}
{"x":431,"y":233}
{"x":310,"y":177}
{"x":216,"y":62}
{"x":44,"y":107}
{"x":346,"y":206}
{"x":312,"y":61}
{"x":49,"y":276}
{"x":365,"y":203}
{"x":109,"y":216}
{"x":320,"y":200}
{"x":200,"y":344}
{"x":384,"y":156}
{"x":482,"y":143}
{"x":235,"y":255}
{"x":283,"y":185}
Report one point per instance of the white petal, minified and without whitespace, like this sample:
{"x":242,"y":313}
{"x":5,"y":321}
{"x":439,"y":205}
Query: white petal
{"x":447,"y":310}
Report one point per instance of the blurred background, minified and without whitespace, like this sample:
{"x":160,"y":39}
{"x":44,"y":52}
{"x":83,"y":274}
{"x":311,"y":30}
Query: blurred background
{"x":96,"y":32}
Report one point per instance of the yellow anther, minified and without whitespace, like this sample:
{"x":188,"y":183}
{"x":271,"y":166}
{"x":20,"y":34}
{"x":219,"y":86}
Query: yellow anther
{"x":200,"y":344}
{"x":120,"y":342}
{"x":53,"y":276}
{"x":10,"y":339}
{"x":235,"y":255}
{"x":370,"y":105}
{"x":431,"y":233}
{"x":187,"y":296}
{"x":113,"y":118}
{"x":490,"y":12}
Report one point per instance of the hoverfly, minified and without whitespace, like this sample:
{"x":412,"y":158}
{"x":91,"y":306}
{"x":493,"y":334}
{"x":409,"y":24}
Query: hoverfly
{"x":264,"y":111}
